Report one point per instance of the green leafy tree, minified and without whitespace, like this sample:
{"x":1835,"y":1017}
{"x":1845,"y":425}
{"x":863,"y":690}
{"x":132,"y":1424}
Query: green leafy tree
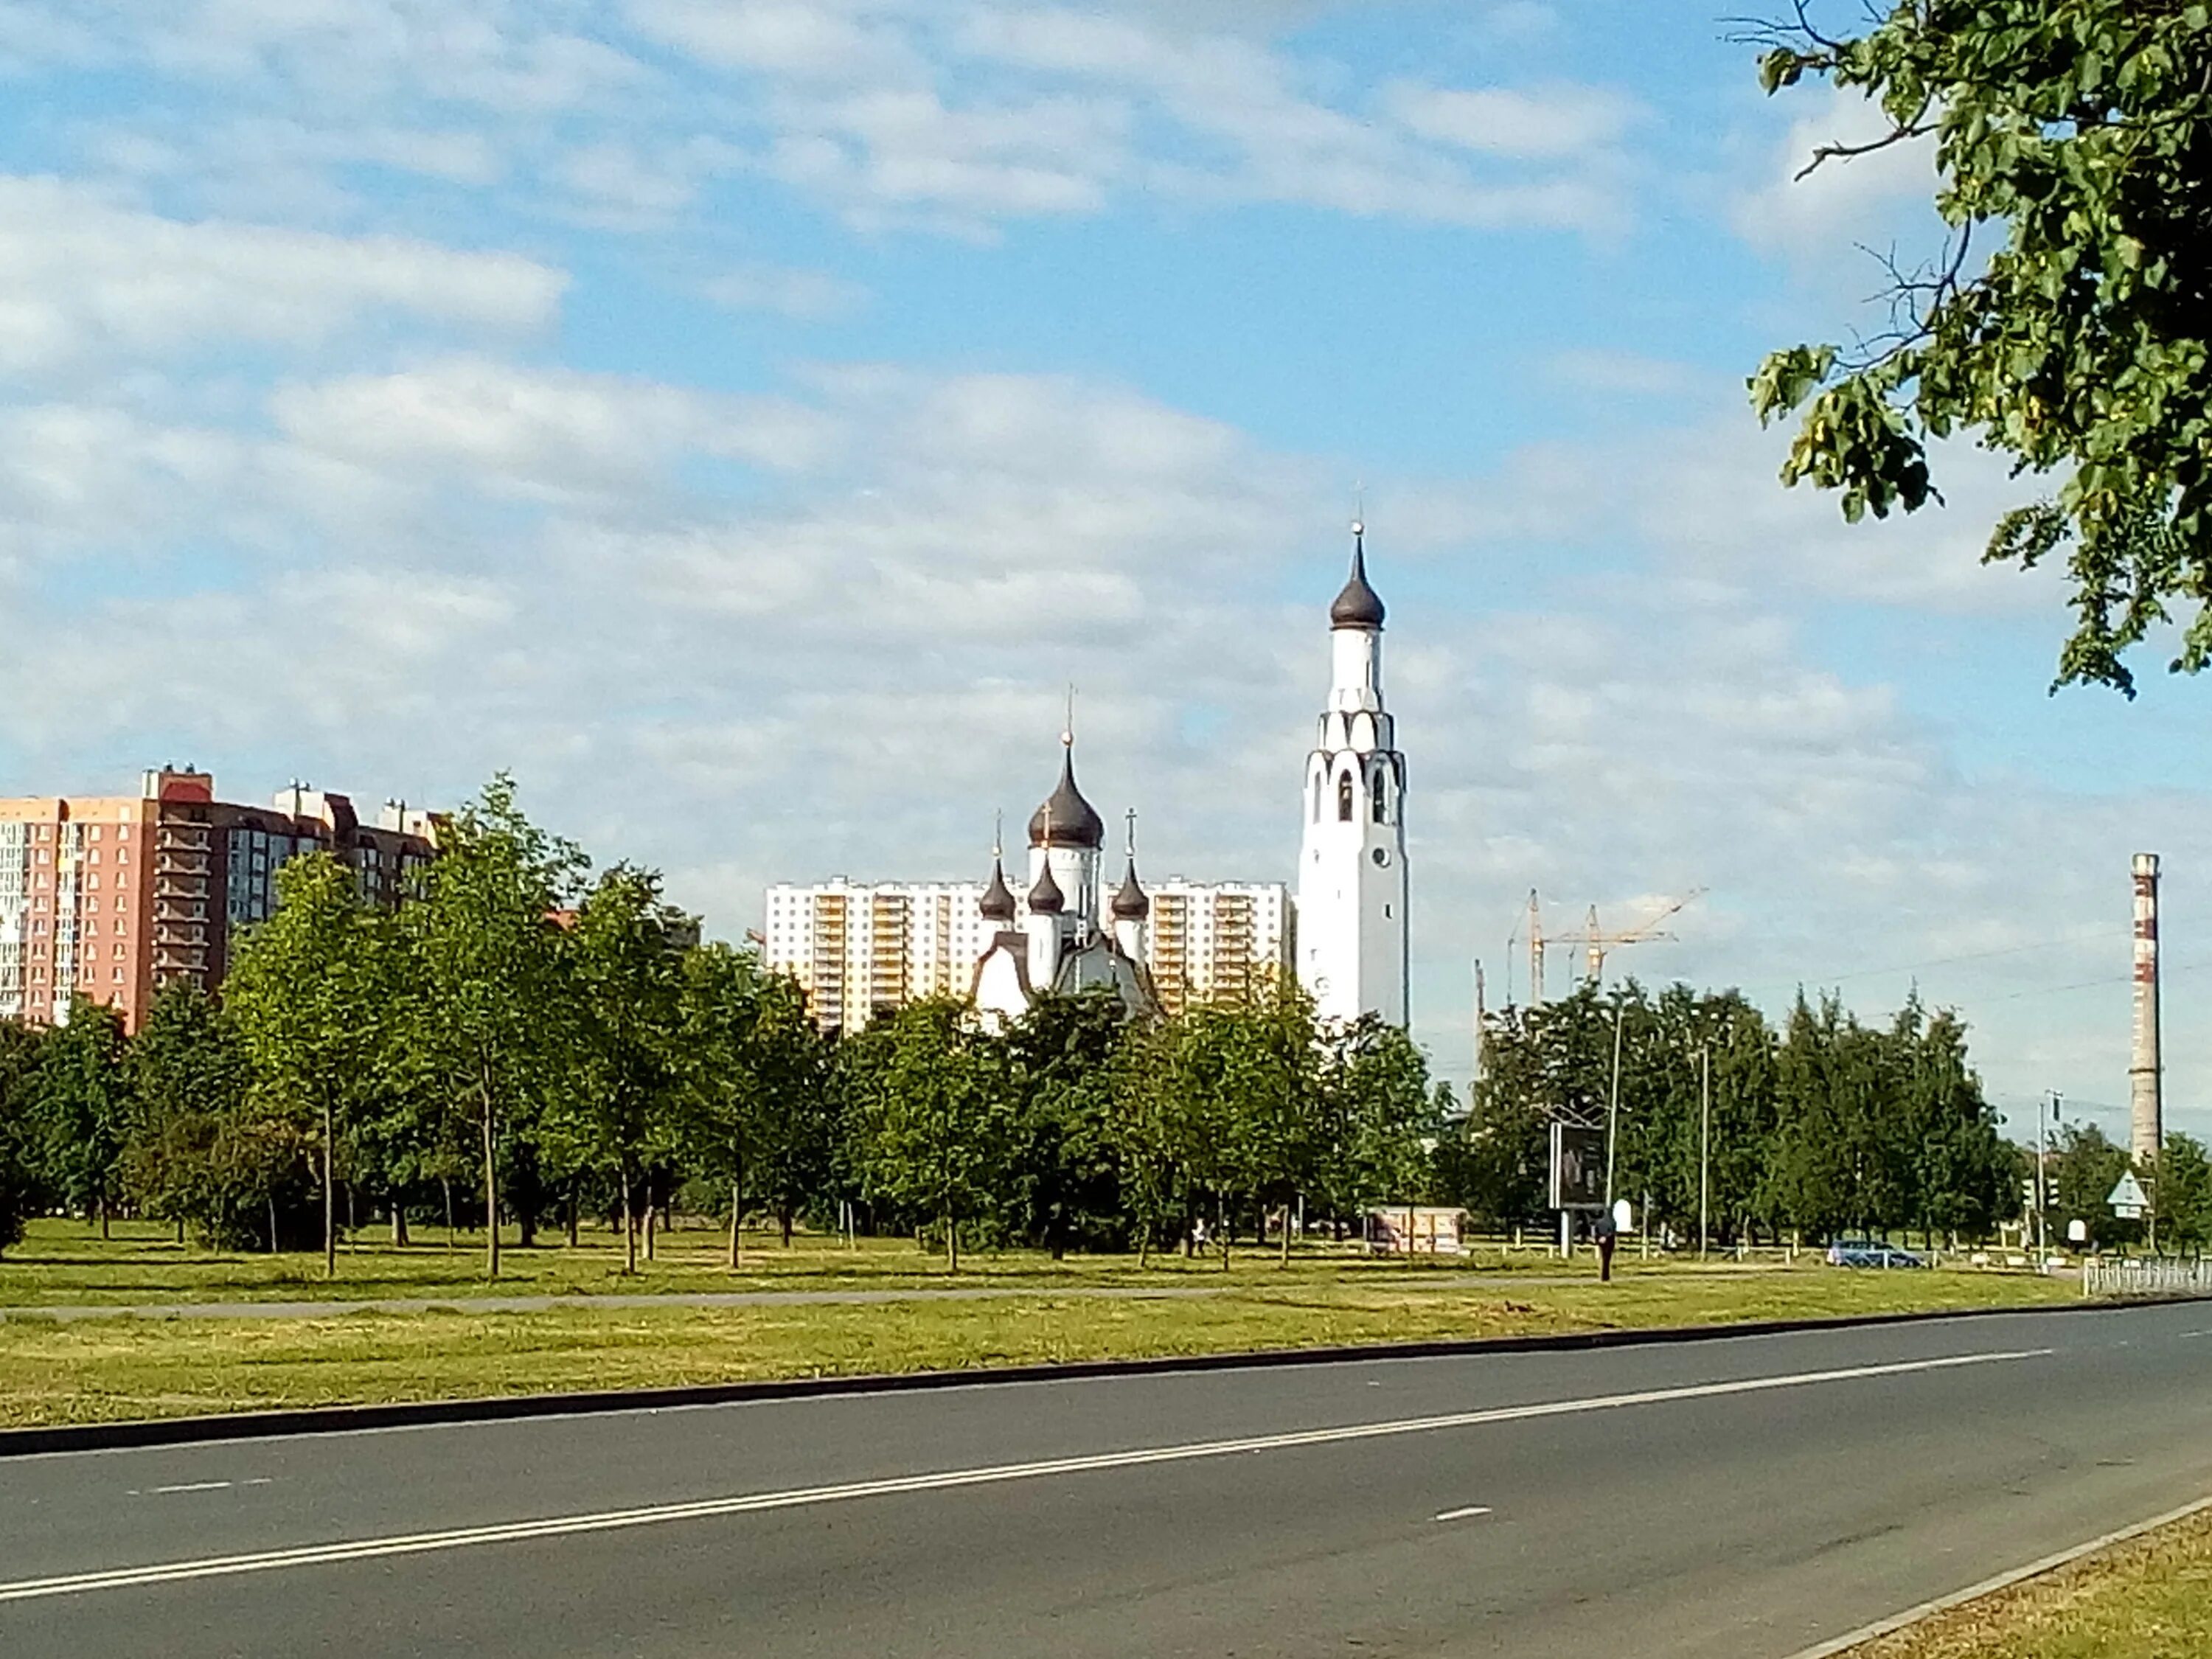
{"x":2065,"y":323}
{"x":2084,"y":1168}
{"x":2181,"y":1182}
{"x":623,"y":981}
{"x":484,"y":975}
{"x":1378,"y":1118}
{"x":937,"y":1123}
{"x":192,"y":1076}
{"x":310,"y":992}
{"x":19,"y":1076}
{"x":1067,"y":1177}
{"x":84,"y":1109}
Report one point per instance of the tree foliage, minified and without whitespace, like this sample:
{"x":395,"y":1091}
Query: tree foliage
{"x":2065,"y":324}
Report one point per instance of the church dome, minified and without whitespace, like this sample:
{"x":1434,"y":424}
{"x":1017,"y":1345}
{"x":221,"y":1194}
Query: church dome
{"x":998,"y":902}
{"x":1130,"y":904}
{"x":1045,"y":897}
{"x":1066,"y":819}
{"x":1358,"y":605}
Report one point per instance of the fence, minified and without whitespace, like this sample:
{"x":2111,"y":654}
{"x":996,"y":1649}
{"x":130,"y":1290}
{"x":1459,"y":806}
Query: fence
{"x":2162,"y":1277}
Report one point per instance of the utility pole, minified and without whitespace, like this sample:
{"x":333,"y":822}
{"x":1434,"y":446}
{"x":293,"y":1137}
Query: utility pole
{"x":1612,"y":1108}
{"x":1705,"y":1148}
{"x":1481,"y":1013}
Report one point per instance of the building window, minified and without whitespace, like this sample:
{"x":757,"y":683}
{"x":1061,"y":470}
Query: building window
{"x":1344,"y":798}
{"x":1379,"y":802}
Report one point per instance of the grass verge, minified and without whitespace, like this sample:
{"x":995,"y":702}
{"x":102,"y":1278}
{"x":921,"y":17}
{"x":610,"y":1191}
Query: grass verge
{"x":2150,"y":1598}
{"x":104,"y":1369}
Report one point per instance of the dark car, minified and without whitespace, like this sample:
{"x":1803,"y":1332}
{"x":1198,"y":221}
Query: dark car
{"x":1871,"y":1253}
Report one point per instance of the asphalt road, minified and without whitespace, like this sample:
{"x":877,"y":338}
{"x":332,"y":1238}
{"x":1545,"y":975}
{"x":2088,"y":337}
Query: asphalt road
{"x":1746,"y":1498}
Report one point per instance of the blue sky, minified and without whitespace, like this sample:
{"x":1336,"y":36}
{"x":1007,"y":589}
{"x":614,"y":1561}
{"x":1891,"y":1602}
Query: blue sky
{"x":741,"y":418}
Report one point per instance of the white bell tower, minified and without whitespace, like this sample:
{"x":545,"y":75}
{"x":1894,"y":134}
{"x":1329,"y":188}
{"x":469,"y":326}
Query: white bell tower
{"x":1352,"y":869}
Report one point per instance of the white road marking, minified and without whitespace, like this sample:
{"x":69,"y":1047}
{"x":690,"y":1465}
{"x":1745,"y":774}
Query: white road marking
{"x":1467,"y":1514}
{"x":194,"y":1486}
{"x":559,"y":1526}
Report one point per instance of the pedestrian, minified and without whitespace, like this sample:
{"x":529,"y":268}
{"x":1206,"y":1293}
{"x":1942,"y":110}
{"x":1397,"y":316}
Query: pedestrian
{"x":1606,"y":1239}
{"x":1198,"y":1236}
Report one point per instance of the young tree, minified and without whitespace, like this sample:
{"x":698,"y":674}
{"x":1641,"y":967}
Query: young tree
{"x":190,"y":1074}
{"x":19,"y":1071}
{"x":1378,"y":1117}
{"x":2064,"y":323}
{"x":484,"y":974}
{"x":84,"y":1107}
{"x":310,"y":994}
{"x":623,"y":981}
{"x":937,"y":1123}
{"x":1066,"y":1179}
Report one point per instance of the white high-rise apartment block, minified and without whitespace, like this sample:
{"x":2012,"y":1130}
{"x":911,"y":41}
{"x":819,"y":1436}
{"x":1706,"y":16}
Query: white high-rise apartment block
{"x":1216,"y":941}
{"x":860,"y":949}
{"x":1351,"y":942}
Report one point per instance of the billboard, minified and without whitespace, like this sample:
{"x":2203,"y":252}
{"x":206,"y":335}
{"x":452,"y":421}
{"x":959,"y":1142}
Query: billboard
{"x":1578,"y":1168}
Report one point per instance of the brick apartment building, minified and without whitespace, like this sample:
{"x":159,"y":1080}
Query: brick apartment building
{"x":112,"y":897}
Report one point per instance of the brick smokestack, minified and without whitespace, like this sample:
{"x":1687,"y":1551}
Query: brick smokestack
{"x":2145,"y":1091}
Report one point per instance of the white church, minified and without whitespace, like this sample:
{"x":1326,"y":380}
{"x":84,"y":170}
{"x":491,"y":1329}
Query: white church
{"x":1064,"y":935}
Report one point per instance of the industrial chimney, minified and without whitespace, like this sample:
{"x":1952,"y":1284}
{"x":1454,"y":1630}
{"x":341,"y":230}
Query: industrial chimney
{"x":2145,"y":1093}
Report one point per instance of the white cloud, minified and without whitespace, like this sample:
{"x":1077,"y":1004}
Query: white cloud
{"x":81,"y":280}
{"x":1538,"y":122}
{"x":1822,"y":217}
{"x":803,"y":295}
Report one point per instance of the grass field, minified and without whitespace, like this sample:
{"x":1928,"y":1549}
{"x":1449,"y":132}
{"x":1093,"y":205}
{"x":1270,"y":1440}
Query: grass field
{"x":2150,"y":1598}
{"x":100,"y":1368}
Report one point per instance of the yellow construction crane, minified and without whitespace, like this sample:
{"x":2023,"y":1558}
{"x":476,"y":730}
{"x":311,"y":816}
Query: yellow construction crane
{"x":1595,"y":943}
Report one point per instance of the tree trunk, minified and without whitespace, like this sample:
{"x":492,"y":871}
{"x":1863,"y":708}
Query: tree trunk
{"x":1144,"y":1244}
{"x":446,"y":1184}
{"x":652,"y":1214}
{"x":1286,"y":1235}
{"x":104,"y":1233}
{"x":272,"y":1223}
{"x":736,"y":1219}
{"x":330,"y":1193}
{"x":181,"y":1230}
{"x":783,"y":1216}
{"x":572,"y":1214}
{"x":628,"y":1226}
{"x":491,"y":1184}
{"x":951,"y":1242}
{"x":398,"y":1221}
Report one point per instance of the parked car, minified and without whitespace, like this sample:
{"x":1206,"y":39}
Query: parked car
{"x":1872,"y":1253}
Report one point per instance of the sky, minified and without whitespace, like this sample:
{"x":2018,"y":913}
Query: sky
{"x":743,"y":419}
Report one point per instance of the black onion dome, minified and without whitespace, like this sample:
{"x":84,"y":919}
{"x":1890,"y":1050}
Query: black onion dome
{"x":1045,"y":897}
{"x":1066,"y":819}
{"x":1130,"y":904}
{"x":1358,"y":605}
{"x":998,"y":901}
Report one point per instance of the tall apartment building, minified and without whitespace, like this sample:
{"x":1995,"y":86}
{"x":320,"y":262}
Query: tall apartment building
{"x":112,"y":897}
{"x":862,"y":949}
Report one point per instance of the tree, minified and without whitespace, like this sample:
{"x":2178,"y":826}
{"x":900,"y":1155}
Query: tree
{"x":309,"y":993}
{"x":1377,"y":1117}
{"x":483,"y":972}
{"x":1066,"y":1178}
{"x":2079,"y":132}
{"x":83,"y":1103}
{"x":2085,"y":1167}
{"x":938,"y":1120}
{"x":19,"y":1071}
{"x":624,"y":981}
{"x":2180,"y":1184}
{"x":192,"y":1076}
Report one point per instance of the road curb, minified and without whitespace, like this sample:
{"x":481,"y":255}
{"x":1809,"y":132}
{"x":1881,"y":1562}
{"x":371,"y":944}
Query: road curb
{"x":2003,"y":1581}
{"x":342,"y":1419}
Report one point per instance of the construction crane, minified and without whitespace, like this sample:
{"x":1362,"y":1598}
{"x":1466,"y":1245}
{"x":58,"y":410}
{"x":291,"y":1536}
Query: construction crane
{"x":1595,"y":943}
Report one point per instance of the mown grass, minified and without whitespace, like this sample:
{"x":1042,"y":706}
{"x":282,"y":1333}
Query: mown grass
{"x":61,"y":1263}
{"x":104,"y":1369}
{"x":2150,"y":1598}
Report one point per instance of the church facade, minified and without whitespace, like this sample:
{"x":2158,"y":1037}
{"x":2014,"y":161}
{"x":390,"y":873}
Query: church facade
{"x":863,"y":950}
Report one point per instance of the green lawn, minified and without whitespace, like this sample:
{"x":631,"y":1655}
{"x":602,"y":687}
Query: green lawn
{"x":123,"y":1367}
{"x":2147,"y":1599}
{"x":69,"y":1263}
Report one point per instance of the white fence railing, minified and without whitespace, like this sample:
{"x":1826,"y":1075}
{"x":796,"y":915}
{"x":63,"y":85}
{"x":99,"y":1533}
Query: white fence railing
{"x":2122,"y":1278}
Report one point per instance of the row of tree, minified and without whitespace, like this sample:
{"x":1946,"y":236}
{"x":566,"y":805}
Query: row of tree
{"x":527,"y":1041}
{"x":1826,"y":1126}
{"x":524,"y":1041}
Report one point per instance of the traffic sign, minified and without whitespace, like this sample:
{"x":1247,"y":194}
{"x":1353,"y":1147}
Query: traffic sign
{"x":2127,"y":1200}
